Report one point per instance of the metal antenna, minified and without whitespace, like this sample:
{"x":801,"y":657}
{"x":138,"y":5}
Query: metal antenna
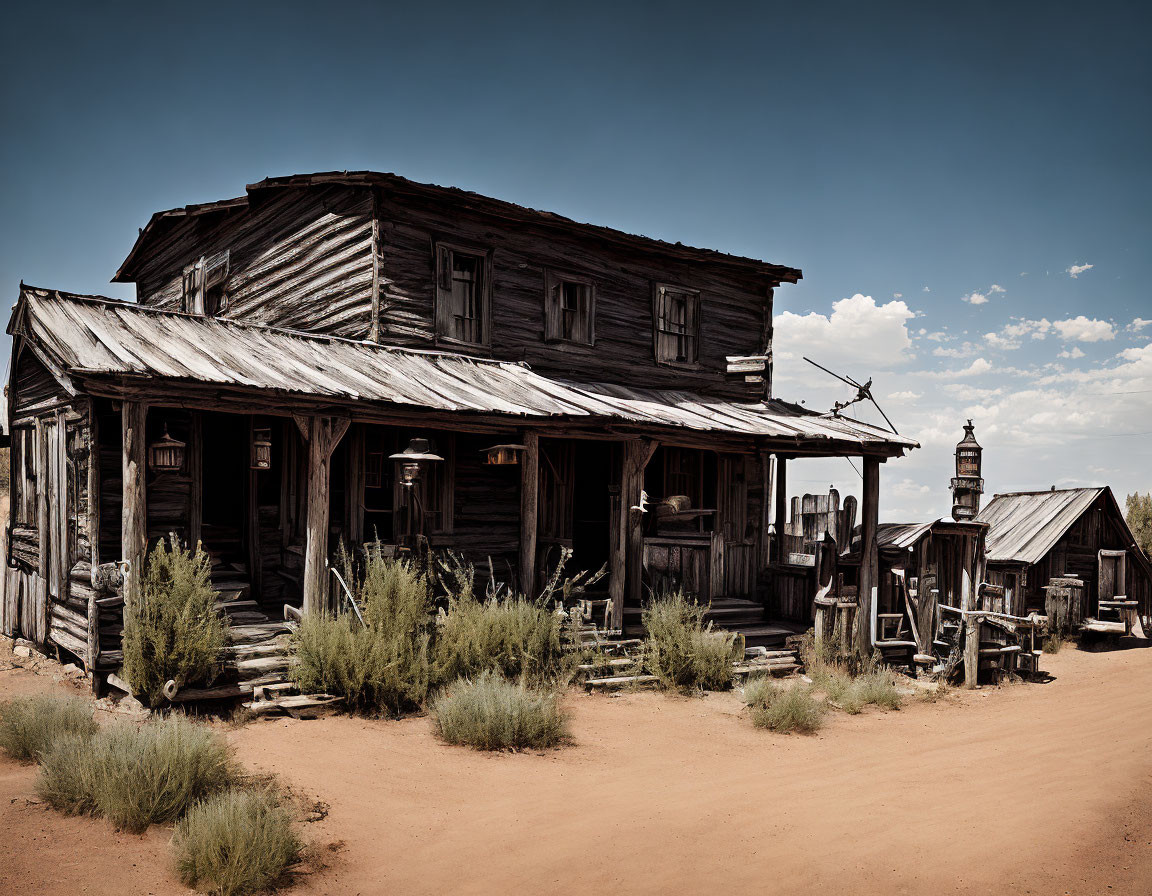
{"x":863,"y":391}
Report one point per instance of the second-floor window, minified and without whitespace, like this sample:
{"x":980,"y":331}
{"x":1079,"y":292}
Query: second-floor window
{"x":463,"y":294}
{"x":677,"y":325}
{"x":569,"y":308}
{"x":205,"y":284}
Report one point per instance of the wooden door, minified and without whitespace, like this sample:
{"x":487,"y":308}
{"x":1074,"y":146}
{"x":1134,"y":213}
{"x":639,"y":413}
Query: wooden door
{"x":1110,"y":573}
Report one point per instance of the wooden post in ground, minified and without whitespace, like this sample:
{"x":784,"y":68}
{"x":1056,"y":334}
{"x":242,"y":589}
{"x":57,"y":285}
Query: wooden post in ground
{"x":134,"y":516}
{"x":781,"y":504}
{"x":529,"y":499}
{"x":322,"y":434}
{"x":869,"y":556}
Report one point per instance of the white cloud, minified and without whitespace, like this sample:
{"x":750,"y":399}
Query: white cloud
{"x":1004,"y":343}
{"x":904,"y":395}
{"x":976,"y":368}
{"x":1083,"y":329}
{"x":965,"y":350}
{"x":897,"y":295}
{"x":858,"y":333}
{"x":996,"y":287}
{"x":1077,"y":269}
{"x":1138,"y":324}
{"x":926,"y":289}
{"x":975,"y":298}
{"x":1072,"y":353}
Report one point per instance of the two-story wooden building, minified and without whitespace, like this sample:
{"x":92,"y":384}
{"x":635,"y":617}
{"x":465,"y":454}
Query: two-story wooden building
{"x":561,"y":384}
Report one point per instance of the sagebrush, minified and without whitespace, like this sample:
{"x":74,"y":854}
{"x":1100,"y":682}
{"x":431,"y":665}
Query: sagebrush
{"x":516,"y":637}
{"x":784,"y":708}
{"x":681,"y":651}
{"x":235,"y":842}
{"x":850,"y":682}
{"x":382,"y":664}
{"x":173,"y":632}
{"x":138,"y":775}
{"x":492,"y":713}
{"x":30,"y":725}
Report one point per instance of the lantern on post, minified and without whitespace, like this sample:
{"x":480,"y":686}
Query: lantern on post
{"x":261,"y":449}
{"x":504,"y":455}
{"x":967,"y":486}
{"x":412,"y":461}
{"x":166,"y":454}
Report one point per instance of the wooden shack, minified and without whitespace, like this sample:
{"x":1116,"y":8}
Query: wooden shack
{"x":352,"y":356}
{"x":1035,"y":537}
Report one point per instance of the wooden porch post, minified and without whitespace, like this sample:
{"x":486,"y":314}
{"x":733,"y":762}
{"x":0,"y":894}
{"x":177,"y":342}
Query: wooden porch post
{"x":529,"y":511}
{"x":134,"y":518}
{"x":626,"y":559}
{"x":322,"y":434}
{"x":869,"y":555}
{"x":781,"y":504}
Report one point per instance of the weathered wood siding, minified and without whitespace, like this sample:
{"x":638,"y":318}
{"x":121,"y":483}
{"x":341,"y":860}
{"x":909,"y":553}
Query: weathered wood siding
{"x":302,"y":260}
{"x":1077,"y":554}
{"x":734,"y":313}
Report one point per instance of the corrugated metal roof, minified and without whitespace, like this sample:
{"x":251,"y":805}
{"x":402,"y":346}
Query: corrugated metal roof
{"x":901,"y":535}
{"x":94,"y":336}
{"x":1024,"y":526}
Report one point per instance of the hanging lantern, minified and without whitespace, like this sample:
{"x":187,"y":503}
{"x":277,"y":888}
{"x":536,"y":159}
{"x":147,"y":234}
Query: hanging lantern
{"x":967,"y":486}
{"x":504,"y":455}
{"x":166,"y":454}
{"x":261,"y":449}
{"x":412,"y":459}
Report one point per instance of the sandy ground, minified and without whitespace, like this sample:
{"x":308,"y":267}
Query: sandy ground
{"x":1041,"y":789}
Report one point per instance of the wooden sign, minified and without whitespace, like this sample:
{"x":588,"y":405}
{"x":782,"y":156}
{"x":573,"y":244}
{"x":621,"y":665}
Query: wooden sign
{"x":794,"y":559}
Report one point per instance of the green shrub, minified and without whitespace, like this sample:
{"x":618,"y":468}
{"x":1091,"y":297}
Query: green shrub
{"x":152,"y":773}
{"x":173,"y":633}
{"x":382,"y":665}
{"x":516,"y":637}
{"x":877,"y":688}
{"x":1053,"y":643}
{"x":786,"y":709}
{"x":30,"y":725}
{"x":235,"y":842}
{"x":681,"y":651}
{"x":69,"y":775}
{"x":492,"y":713}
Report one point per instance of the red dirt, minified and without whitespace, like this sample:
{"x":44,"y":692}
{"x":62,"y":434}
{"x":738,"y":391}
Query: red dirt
{"x":1039,"y":789}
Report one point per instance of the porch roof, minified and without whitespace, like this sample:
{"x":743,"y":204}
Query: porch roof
{"x":100,"y":338}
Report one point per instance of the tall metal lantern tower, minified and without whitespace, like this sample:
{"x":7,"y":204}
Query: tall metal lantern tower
{"x":968,"y":486}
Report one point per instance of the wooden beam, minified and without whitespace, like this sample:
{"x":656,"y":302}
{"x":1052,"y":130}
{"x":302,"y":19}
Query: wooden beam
{"x":529,"y":511}
{"x":134,"y":518}
{"x":323,"y":434}
{"x":636,"y":455}
{"x":869,"y":556}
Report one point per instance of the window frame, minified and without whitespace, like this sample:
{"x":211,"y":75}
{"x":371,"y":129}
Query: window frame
{"x":660,"y":294}
{"x":442,"y":266}
{"x":206,"y":273}
{"x":554,"y":283}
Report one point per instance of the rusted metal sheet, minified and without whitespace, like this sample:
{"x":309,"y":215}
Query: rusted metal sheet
{"x":93,"y":336}
{"x":1024,"y":526}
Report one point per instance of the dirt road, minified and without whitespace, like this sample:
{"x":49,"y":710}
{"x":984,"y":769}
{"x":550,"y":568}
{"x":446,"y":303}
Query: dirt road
{"x":1043,"y":789}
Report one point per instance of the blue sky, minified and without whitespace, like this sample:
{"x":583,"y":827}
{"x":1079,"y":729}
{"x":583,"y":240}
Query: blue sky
{"x":907,"y":154}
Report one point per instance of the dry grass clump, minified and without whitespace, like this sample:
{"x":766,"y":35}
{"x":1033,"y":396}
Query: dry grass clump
{"x":851,"y":684}
{"x":783,"y":708}
{"x":382,"y":665}
{"x":173,"y":633}
{"x":70,"y":775}
{"x":1053,"y":642}
{"x":516,"y":637}
{"x":137,"y":776}
{"x":30,"y":725}
{"x":235,"y":842}
{"x":492,"y":713}
{"x":681,"y":651}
